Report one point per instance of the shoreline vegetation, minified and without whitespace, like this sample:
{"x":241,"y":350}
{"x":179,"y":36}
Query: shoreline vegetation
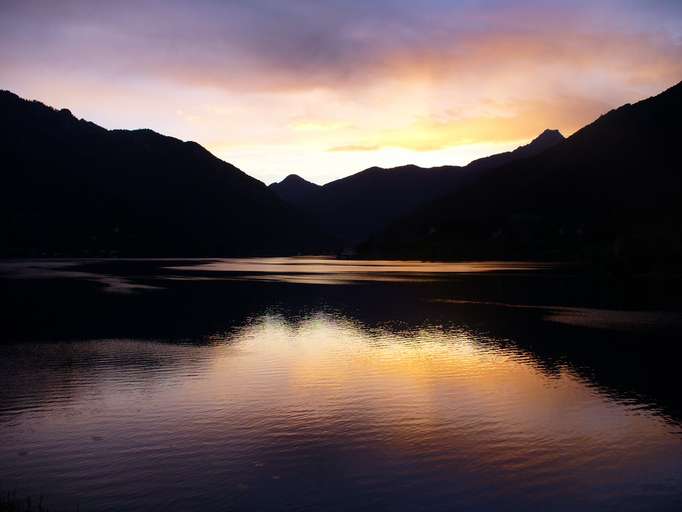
{"x":11,"y":502}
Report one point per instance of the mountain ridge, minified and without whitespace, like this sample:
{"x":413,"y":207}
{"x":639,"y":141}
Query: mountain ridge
{"x":587,"y":198}
{"x":353,"y":207}
{"x":294,"y":188}
{"x":72,"y":187}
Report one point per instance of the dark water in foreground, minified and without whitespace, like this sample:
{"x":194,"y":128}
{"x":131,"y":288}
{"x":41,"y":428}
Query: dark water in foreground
{"x":302,"y":384}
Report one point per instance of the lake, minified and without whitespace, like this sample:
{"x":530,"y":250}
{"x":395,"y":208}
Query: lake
{"x":322,"y":384}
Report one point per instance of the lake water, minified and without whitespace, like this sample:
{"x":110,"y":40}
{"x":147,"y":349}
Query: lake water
{"x":319,"y":384}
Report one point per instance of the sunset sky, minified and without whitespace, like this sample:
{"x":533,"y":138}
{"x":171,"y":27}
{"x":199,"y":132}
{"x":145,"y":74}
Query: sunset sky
{"x":327,"y":88}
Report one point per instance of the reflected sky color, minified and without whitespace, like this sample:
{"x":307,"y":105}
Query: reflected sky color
{"x":325,"y":270}
{"x":326,"y":89}
{"x":486,"y":387}
{"x":299,"y":270}
{"x":323,"y":412}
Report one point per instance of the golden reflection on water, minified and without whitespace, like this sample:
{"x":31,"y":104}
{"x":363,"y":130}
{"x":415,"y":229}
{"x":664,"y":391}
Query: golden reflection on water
{"x":450,"y":411}
{"x":428,"y":390}
{"x":324,"y":270}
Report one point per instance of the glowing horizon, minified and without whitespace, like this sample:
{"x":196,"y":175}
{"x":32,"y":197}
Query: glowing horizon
{"x":325,"y":90}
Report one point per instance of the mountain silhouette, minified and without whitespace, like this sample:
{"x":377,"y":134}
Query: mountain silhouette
{"x":544,"y":141}
{"x":294,"y":189}
{"x":354,"y":207}
{"x":610,"y":193}
{"x":71,"y":187}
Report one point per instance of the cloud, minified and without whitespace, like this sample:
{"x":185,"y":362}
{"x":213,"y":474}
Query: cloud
{"x":354,"y":147}
{"x":518,"y":121}
{"x":340,"y":79}
{"x":268,"y":45}
{"x":317,"y":126}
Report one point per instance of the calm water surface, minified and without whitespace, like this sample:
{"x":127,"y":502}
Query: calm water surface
{"x":313,"y":384}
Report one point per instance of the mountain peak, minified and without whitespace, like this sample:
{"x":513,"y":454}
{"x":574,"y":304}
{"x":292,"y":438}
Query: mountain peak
{"x":294,"y":189}
{"x":549,"y":135}
{"x":542,"y":142}
{"x":293,"y":179}
{"x":545,"y":140}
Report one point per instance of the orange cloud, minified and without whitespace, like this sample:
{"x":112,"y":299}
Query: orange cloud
{"x":522,"y":121}
{"x":355,"y":147}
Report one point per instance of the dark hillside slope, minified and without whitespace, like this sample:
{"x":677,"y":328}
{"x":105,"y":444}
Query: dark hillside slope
{"x":542,"y":142}
{"x":351,"y":208}
{"x":612,"y":191}
{"x":71,"y":187}
{"x":294,"y":189}
{"x":354,"y":207}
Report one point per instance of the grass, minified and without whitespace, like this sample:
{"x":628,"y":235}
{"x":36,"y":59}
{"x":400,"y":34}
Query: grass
{"x":9,"y":502}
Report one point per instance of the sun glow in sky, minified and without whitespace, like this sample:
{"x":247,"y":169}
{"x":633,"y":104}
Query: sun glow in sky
{"x":327,"y":88}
